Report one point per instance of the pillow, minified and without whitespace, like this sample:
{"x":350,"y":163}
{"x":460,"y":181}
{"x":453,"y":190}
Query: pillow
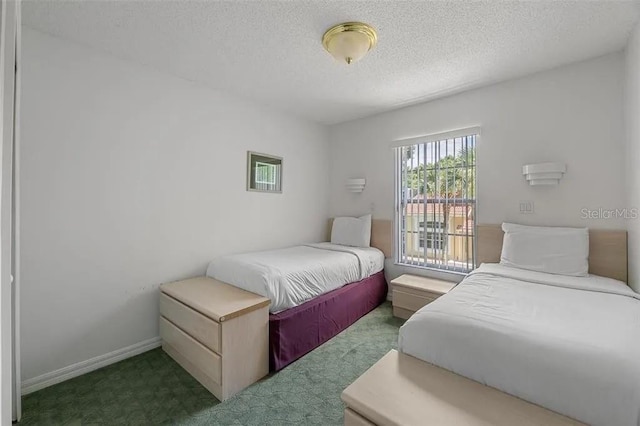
{"x":352,"y":231}
{"x":563,"y":251}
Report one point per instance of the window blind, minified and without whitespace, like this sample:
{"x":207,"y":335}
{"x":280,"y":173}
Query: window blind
{"x":436,"y":200}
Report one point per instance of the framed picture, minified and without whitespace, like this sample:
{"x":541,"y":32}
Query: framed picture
{"x":264,"y":172}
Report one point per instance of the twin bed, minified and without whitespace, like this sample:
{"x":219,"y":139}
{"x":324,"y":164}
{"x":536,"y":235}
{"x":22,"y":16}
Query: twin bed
{"x":568,"y":343}
{"x":316,"y":290}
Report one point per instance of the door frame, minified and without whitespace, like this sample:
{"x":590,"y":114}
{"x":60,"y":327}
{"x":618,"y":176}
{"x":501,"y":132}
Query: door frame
{"x":9,"y":399}
{"x":15,"y":224}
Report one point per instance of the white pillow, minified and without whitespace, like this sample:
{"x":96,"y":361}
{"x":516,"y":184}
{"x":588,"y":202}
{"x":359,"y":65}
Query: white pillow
{"x":352,"y":231}
{"x":554,"y":250}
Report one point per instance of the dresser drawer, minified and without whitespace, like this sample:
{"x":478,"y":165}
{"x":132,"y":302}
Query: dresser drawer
{"x":417,"y":292}
{"x":201,"y":328}
{"x":199,"y":355}
{"x":409,"y":301}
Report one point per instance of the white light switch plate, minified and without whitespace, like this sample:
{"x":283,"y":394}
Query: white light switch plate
{"x":526,"y":207}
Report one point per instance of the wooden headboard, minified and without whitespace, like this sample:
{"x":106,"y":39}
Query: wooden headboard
{"x":607,"y":250}
{"x":381,"y":235}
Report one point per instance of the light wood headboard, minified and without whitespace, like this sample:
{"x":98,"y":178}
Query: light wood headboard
{"x":607,"y":250}
{"x":381,"y":235}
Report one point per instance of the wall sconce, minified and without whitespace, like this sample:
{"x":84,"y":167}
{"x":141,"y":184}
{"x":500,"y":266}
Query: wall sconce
{"x":544,"y":173}
{"x":356,"y":185}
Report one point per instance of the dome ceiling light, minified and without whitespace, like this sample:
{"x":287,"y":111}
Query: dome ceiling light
{"x":349,"y":41}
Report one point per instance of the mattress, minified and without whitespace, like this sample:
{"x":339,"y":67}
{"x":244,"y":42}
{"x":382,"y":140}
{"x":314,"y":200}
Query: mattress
{"x":291,"y":276}
{"x":570,"y":344}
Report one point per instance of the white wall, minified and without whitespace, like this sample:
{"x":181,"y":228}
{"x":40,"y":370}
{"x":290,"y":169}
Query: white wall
{"x":131,"y":178}
{"x":632,"y":110}
{"x":571,"y":114}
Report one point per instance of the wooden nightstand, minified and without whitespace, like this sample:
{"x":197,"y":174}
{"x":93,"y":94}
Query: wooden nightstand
{"x":411,"y":292}
{"x":217,"y":332}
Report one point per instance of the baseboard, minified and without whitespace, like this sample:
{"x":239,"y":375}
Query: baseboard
{"x":83,"y":367}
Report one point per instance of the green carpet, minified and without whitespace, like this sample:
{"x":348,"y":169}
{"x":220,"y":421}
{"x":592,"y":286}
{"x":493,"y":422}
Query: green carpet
{"x":151,"y":389}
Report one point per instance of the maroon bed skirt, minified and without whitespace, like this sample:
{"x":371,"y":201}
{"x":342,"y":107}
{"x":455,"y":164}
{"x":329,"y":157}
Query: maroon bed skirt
{"x":299,"y":330}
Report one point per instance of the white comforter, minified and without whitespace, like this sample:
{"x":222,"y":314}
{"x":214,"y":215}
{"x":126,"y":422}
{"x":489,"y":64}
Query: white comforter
{"x":291,"y":276}
{"x":566,"y":343}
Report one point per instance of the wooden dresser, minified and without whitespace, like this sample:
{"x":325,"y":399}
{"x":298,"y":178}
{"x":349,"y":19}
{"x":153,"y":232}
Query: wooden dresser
{"x":411,"y":292}
{"x":217,"y":332}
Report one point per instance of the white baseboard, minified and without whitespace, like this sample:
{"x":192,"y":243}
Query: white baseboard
{"x":83,"y":367}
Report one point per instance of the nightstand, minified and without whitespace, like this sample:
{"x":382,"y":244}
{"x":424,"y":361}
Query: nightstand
{"x":217,"y":332}
{"x":412,"y":292}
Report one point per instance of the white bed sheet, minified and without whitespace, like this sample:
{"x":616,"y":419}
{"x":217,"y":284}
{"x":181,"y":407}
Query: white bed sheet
{"x":291,"y":276}
{"x":571,"y":344}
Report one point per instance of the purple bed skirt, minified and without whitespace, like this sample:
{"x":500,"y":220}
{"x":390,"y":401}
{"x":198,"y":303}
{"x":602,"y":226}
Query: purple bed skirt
{"x":299,"y":330}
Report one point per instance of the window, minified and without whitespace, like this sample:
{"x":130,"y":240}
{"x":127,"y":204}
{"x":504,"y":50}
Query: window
{"x":436,"y":240}
{"x":436,"y":201}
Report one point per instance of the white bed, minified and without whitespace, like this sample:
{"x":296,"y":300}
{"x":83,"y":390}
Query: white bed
{"x":570,"y":344}
{"x":291,"y":276}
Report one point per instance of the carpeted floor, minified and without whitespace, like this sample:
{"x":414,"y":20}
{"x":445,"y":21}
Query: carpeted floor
{"x":151,"y":389}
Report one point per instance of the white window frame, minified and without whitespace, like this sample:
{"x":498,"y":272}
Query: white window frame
{"x":398,"y":189}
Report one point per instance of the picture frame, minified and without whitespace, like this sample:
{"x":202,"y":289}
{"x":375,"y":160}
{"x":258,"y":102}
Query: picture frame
{"x":264,"y":172}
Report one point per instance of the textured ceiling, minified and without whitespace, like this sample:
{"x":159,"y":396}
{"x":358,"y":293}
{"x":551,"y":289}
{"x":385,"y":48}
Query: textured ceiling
{"x":271,"y":51}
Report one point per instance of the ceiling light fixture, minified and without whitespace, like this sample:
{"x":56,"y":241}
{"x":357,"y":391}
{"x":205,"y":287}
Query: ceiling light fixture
{"x":349,"y":41}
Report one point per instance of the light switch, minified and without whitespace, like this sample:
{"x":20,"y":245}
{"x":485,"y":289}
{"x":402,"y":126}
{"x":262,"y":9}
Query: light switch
{"x":526,"y":207}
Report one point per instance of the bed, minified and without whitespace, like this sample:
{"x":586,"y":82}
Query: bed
{"x":316,"y":290}
{"x":569,"y":344}
{"x":291,"y":276}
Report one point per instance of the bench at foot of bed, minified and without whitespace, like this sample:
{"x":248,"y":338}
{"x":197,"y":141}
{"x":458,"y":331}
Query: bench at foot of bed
{"x":401,"y":390}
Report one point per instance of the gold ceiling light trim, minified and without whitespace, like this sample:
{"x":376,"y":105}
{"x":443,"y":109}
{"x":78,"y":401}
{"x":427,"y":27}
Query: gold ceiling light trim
{"x":349,"y":41}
